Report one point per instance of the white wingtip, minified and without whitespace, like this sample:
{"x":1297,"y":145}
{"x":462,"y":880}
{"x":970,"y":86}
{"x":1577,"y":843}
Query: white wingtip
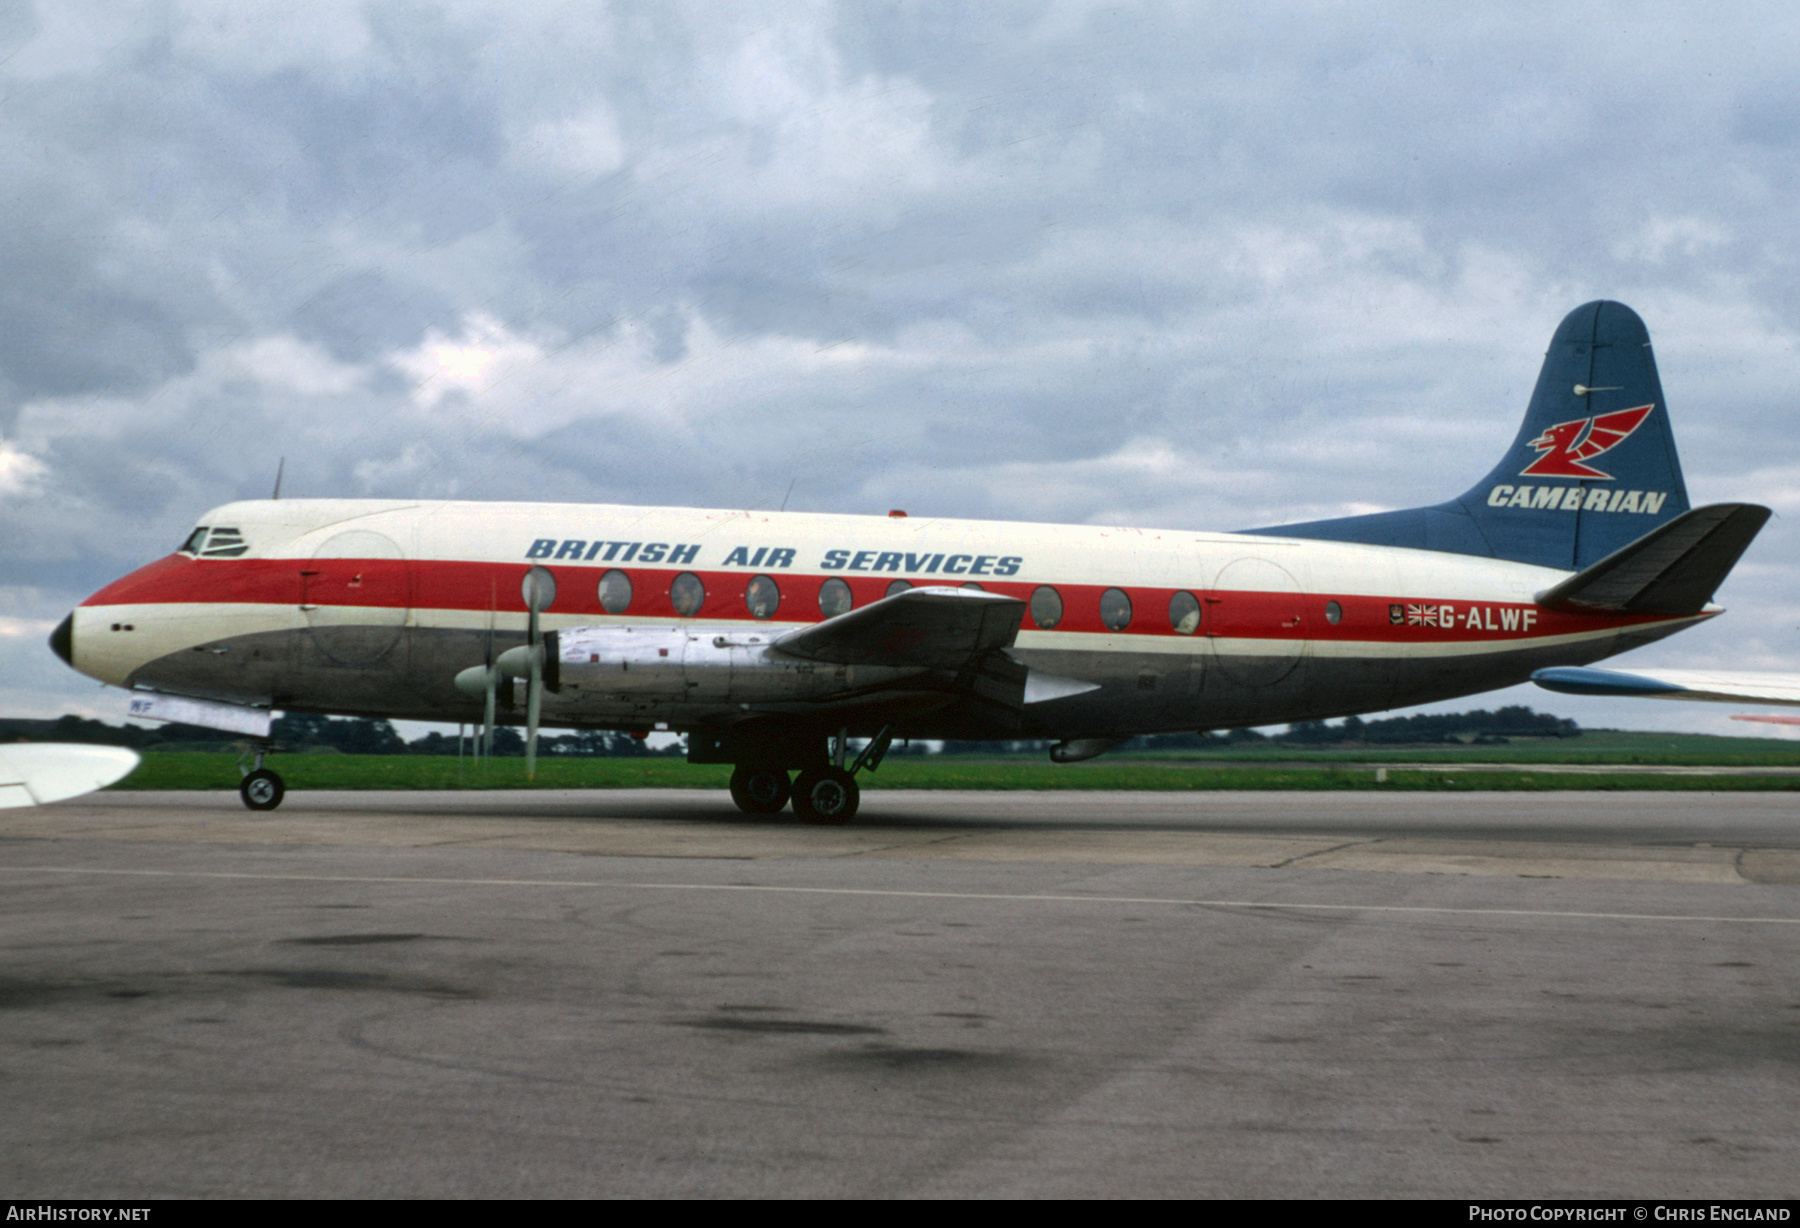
{"x":32,"y":773}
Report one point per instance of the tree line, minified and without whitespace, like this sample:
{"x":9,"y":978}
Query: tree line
{"x":1480,"y":727}
{"x":304,"y":731}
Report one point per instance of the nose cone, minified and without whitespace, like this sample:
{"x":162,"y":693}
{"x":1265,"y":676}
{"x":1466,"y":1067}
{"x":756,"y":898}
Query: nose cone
{"x":62,"y":640}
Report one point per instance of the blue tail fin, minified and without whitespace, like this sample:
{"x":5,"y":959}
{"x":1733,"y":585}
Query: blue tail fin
{"x":1593,"y":468}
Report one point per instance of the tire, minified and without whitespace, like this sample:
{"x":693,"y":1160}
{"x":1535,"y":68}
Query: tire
{"x":826,"y":797}
{"x":760,"y":790}
{"x":262,"y":790}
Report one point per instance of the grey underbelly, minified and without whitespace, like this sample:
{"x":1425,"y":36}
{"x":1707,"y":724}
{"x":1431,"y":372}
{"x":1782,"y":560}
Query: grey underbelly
{"x":407,"y":673}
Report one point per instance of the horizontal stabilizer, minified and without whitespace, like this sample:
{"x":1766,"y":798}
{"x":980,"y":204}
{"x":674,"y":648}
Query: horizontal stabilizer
{"x":1672,"y":570}
{"x":928,"y":628}
{"x":1711,"y":685}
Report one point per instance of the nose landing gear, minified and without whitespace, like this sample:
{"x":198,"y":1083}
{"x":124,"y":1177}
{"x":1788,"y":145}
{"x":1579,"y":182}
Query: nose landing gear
{"x":261,"y":789}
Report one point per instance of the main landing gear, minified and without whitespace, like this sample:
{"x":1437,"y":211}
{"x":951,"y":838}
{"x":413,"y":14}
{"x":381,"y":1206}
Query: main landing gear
{"x":261,"y":789}
{"x":824,"y":794}
{"x":760,"y":790}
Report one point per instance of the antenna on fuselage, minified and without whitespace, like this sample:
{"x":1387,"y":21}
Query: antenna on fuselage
{"x":786,"y":497}
{"x":279,"y":466}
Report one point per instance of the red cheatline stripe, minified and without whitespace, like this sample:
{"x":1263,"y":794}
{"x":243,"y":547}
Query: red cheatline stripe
{"x":457,"y":585}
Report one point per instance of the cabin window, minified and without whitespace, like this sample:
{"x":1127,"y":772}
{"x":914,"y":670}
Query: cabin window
{"x":763,"y":597}
{"x":1046,"y":607}
{"x":834,"y":598}
{"x":538,"y":589}
{"x":615,"y":592}
{"x":192,"y":544}
{"x":1184,"y":613}
{"x":896,"y":588}
{"x":1334,"y":613}
{"x":1115,"y":609}
{"x":687,"y":594}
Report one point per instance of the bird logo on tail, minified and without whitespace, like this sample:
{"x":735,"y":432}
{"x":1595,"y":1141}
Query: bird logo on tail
{"x":1567,"y":445}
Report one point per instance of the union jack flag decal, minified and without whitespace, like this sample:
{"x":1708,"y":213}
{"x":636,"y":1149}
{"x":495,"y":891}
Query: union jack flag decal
{"x":1421,"y":616}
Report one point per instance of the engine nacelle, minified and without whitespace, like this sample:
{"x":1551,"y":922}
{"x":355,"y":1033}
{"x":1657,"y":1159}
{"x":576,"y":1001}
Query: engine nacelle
{"x":698,"y":665}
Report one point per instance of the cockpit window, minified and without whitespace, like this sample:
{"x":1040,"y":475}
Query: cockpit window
{"x":192,"y":544}
{"x":224,"y":544}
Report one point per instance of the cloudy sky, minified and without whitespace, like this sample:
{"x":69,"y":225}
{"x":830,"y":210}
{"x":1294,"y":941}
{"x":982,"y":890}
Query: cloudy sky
{"x":1172,"y":265}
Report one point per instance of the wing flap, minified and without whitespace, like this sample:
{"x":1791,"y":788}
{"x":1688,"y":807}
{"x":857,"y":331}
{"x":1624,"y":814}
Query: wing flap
{"x":1671,"y":570}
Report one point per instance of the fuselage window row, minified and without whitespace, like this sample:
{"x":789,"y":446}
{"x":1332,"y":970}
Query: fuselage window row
{"x":762,"y":600}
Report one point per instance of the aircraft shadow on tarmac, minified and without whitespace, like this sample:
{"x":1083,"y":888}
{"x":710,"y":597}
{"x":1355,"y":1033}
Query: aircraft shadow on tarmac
{"x":1661,"y":819}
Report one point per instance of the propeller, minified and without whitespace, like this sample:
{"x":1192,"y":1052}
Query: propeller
{"x":539,"y":590}
{"x":534,"y":688}
{"x":532,"y":661}
{"x":490,"y":681}
{"x":483,"y":682}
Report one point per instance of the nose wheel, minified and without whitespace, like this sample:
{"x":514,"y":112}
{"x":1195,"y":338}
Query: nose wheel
{"x":261,"y":789}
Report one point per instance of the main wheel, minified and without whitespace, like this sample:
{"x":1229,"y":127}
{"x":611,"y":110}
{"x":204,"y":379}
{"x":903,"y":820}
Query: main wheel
{"x":827,"y":796}
{"x":760,"y":790}
{"x":262,"y":790}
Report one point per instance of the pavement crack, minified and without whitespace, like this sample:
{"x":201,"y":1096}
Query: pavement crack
{"x":1299,"y":857}
{"x":877,"y":849}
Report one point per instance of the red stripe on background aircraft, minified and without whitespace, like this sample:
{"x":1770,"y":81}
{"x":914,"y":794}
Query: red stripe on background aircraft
{"x":772,"y":639}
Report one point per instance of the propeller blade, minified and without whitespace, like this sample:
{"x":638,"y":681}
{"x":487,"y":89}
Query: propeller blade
{"x":487,"y":714}
{"x":539,"y":590}
{"x":534,"y":698}
{"x":493,"y":674}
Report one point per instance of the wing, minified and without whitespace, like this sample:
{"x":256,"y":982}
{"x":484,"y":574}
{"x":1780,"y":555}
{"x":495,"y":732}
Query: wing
{"x":931,"y":628}
{"x":1712,"y":685}
{"x":32,"y":773}
{"x":961,"y":631}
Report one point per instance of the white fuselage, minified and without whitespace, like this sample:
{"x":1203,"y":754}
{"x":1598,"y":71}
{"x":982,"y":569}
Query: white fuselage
{"x":373,"y":607}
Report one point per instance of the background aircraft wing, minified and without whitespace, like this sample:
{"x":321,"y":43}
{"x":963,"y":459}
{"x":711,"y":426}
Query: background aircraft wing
{"x":1713,"y":685}
{"x":32,"y":773}
{"x":930,"y":628}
